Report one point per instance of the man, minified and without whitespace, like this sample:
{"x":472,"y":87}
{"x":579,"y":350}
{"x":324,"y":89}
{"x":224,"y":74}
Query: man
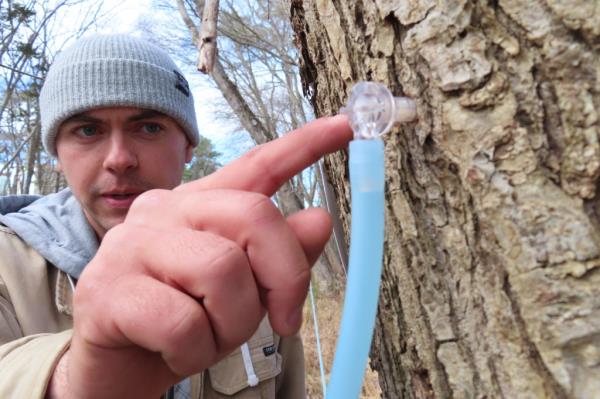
{"x":171,"y":281}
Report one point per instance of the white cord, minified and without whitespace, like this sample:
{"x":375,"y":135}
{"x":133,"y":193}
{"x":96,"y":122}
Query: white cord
{"x":319,"y":352}
{"x":71,"y":281}
{"x":252,"y":378}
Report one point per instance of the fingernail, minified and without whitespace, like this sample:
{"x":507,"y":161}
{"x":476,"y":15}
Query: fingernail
{"x":295,"y":318}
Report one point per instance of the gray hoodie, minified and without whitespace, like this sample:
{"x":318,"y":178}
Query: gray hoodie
{"x":54,"y":225}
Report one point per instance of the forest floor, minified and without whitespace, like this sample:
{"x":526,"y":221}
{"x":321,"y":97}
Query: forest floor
{"x":329,"y":310}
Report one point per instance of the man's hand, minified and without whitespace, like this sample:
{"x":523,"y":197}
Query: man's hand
{"x":191,"y":272}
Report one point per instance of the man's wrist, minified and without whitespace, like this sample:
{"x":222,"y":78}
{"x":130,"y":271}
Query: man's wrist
{"x":59,"y":384}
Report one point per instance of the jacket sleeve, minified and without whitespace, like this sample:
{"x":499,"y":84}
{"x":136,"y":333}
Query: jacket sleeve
{"x":9,"y":326}
{"x":26,"y":363}
{"x":291,"y":381}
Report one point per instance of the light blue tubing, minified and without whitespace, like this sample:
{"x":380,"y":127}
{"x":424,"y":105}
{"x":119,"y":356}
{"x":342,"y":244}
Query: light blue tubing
{"x":364,"y":277}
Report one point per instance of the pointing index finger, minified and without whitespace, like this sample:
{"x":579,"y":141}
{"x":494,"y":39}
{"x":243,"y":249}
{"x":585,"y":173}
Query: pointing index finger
{"x":266,"y":167}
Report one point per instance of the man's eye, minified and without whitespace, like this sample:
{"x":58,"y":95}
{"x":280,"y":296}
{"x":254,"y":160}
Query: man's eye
{"x":87,"y":131}
{"x":151,"y":128}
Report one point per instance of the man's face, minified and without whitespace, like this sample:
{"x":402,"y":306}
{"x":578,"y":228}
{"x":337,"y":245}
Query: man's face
{"x":111,"y":155}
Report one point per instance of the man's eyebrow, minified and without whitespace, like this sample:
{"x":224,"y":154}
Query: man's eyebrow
{"x":148,"y":114}
{"x":82,"y":118}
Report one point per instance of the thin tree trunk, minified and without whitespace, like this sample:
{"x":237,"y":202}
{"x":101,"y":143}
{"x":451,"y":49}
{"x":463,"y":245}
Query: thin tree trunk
{"x":33,"y":152}
{"x":208,"y":37}
{"x":492,"y":260}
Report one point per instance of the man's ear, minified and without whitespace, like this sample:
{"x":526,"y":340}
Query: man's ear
{"x":189,"y":153}
{"x":58,"y":166}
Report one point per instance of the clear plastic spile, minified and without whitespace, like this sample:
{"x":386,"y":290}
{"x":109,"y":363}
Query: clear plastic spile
{"x":372,"y":110}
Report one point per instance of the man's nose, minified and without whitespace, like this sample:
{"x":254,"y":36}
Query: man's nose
{"x":121,"y":154}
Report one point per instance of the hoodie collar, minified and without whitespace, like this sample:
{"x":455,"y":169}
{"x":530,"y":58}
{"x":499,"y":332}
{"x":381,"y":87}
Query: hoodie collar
{"x":53,"y":225}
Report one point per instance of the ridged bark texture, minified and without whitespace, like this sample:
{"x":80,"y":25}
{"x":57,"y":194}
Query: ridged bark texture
{"x":492,"y":262}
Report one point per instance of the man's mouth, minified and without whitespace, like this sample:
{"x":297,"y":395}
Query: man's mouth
{"x":120,"y":199}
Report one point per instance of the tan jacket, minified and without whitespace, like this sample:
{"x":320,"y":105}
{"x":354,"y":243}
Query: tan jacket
{"x":35,"y":329}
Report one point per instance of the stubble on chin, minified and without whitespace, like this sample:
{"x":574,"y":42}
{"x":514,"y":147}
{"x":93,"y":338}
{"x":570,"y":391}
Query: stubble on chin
{"x":102,"y":220}
{"x":103,"y":223}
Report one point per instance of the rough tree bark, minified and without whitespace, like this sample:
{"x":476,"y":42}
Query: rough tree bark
{"x":492,"y":279}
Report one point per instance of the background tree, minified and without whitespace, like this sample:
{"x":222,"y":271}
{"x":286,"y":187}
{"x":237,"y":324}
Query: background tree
{"x":30,"y":34}
{"x":204,"y":162}
{"x":256,"y":72}
{"x":492,"y":280}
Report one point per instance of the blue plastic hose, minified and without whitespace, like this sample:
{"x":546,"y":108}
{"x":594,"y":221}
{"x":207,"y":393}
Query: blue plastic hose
{"x":364,"y":277}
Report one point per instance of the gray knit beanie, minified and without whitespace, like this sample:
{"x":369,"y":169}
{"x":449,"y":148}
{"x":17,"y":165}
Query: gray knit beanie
{"x":114,"y":70}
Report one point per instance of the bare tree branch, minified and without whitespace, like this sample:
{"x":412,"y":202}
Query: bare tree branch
{"x":16,"y":153}
{"x":188,"y":22}
{"x":20,"y":72}
{"x":236,"y":101}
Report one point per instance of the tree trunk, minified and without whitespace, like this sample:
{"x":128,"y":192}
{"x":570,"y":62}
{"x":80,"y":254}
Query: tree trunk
{"x":491,"y":277}
{"x":33,"y":152}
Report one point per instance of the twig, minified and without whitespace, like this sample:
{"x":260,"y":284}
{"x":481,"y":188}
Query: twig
{"x":21,"y":72}
{"x":17,"y":152}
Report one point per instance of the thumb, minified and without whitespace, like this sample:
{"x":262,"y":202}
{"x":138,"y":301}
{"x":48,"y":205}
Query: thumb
{"x":312,"y":228}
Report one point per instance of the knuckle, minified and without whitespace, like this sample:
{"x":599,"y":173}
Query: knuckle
{"x":262,"y":169}
{"x":85,"y":293}
{"x":150,"y":200}
{"x":252,"y":154}
{"x":125,"y":243}
{"x":183,"y":321}
{"x":208,"y":257}
{"x":301,"y":278}
{"x":118,"y":236}
{"x":261,"y":209}
{"x":228,"y":263}
{"x":183,"y":326}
